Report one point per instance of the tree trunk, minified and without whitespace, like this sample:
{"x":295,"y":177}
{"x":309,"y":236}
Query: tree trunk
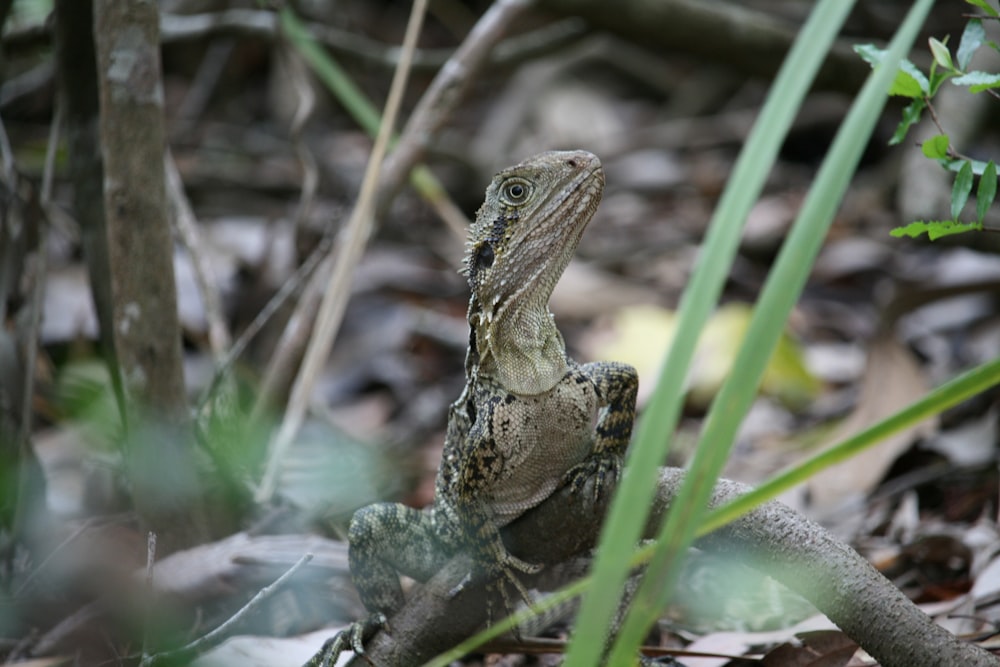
{"x":159,"y":447}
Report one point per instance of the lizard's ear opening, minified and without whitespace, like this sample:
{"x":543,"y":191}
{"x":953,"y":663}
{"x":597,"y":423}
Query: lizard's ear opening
{"x":481,"y":257}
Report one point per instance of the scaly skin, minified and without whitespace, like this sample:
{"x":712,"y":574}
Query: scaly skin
{"x":529,"y":420}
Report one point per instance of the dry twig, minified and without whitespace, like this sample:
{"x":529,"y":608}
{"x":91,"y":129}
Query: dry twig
{"x":186,"y":654}
{"x":348,"y":254}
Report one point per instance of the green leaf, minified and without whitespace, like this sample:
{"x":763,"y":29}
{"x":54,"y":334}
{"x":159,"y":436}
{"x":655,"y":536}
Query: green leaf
{"x":870,"y":53}
{"x":986,"y":191}
{"x":960,"y":191}
{"x":911,"y":115}
{"x":978,"y":81}
{"x":942,"y":56}
{"x":938,"y":77}
{"x":972,"y":39}
{"x":983,"y":5}
{"x":936,"y":146}
{"x":935,"y":229}
{"x":909,"y":82}
{"x":956,"y":164}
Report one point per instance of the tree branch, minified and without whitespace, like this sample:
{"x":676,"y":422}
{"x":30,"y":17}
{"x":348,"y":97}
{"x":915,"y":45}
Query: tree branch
{"x":724,"y":32}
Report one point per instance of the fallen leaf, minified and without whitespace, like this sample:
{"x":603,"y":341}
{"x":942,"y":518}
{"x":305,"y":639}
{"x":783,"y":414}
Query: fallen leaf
{"x":642,"y":335}
{"x":892,"y":381}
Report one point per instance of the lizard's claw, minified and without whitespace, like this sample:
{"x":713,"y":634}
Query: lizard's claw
{"x":353,"y":638}
{"x":503,"y":574}
{"x":602,"y":468}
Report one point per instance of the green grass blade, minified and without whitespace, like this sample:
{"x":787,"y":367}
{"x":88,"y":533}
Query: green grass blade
{"x":784,"y":283}
{"x":626,"y":517}
{"x":951,"y":393}
{"x":331,"y":74}
{"x":353,"y":99}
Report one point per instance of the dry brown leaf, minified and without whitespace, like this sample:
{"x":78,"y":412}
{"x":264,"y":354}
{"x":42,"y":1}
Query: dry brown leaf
{"x":892,"y":380}
{"x":737,"y":643}
{"x":821,"y":648}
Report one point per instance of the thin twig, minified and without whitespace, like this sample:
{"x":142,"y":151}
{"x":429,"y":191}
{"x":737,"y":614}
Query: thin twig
{"x":264,"y":24}
{"x":150,"y":593}
{"x":335,"y":299}
{"x":264,"y":316}
{"x":55,"y":552}
{"x":306,"y":97}
{"x":445,"y":92}
{"x":219,"y":337}
{"x":187,"y":653}
{"x":205,"y":81}
{"x":36,"y":267}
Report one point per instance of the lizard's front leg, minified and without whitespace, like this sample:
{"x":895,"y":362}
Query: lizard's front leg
{"x":386,"y":540}
{"x":477,"y":533}
{"x":617,"y":385}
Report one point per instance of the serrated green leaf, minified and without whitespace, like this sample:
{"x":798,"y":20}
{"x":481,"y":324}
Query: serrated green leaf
{"x":935,"y":229}
{"x":950,"y":227}
{"x":909,"y":82}
{"x":978,"y":81}
{"x":913,"y":230}
{"x":936,"y":146}
{"x":986,"y":191}
{"x":870,"y":53}
{"x":960,"y":190}
{"x":972,"y":39}
{"x":911,"y":114}
{"x":983,"y":5}
{"x":907,"y":85}
{"x":908,"y":68}
{"x":942,"y":56}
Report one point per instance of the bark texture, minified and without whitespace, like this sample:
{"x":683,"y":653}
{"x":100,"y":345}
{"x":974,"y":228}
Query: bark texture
{"x":145,"y":326}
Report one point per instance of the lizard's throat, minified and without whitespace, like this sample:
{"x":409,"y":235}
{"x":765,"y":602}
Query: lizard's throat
{"x":521,"y":348}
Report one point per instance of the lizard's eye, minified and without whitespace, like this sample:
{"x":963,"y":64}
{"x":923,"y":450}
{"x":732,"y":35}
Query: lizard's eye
{"x":516,"y":191}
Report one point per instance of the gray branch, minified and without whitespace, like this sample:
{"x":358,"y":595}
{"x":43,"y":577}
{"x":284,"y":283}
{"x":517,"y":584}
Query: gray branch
{"x":730,"y":33}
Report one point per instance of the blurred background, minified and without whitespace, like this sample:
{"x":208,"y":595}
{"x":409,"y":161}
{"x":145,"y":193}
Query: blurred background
{"x":266,"y":163}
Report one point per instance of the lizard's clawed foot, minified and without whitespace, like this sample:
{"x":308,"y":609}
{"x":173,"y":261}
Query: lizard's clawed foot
{"x":604,"y":469}
{"x":353,"y":638}
{"x":503,"y":577}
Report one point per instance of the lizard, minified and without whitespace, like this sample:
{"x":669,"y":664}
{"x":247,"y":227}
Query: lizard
{"x":529,"y":420}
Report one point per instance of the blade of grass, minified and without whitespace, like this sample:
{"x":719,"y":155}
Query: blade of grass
{"x":365,"y":114}
{"x":348,"y":254}
{"x":781,"y":291}
{"x":627,"y":515}
{"x":951,"y":393}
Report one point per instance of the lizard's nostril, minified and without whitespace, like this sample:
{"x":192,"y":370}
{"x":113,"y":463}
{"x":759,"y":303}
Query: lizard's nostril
{"x":571,"y":163}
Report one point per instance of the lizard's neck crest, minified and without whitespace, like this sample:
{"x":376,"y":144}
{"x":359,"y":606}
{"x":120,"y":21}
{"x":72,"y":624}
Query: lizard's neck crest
{"x":523,"y":237}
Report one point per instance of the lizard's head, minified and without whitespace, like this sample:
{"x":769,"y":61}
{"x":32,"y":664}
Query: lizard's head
{"x":524,"y":236}
{"x":529,"y":226}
